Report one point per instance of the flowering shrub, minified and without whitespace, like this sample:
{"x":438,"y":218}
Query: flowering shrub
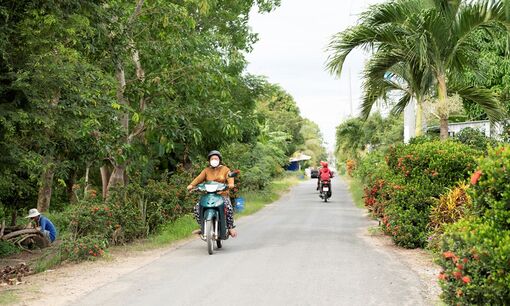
{"x":406,"y":214}
{"x":424,"y":171}
{"x":491,"y":189}
{"x":443,"y":162}
{"x":350,"y":164}
{"x":87,"y":247}
{"x":131,"y":212}
{"x":378,"y":184}
{"x":476,"y":264}
{"x":482,"y":241}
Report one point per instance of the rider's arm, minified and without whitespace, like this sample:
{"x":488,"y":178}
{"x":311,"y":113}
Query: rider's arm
{"x":230,"y":180}
{"x":199,"y":179}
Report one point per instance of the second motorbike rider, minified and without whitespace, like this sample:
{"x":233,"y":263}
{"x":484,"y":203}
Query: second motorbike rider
{"x":325,"y":174}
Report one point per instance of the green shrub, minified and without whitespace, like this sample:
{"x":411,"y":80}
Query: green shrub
{"x":428,"y":169}
{"x":371,"y":167}
{"x":481,"y":243}
{"x":444,"y":162}
{"x":91,"y":219}
{"x":407,"y":213}
{"x":8,"y":248}
{"x":424,"y":139}
{"x":476,"y":264}
{"x":491,"y":187}
{"x":406,"y":226}
{"x":81,"y":248}
{"x":378,"y":184}
{"x":475,"y":139}
{"x":258,"y":164}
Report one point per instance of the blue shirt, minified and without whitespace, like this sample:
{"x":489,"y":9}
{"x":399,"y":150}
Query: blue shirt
{"x":46,"y":225}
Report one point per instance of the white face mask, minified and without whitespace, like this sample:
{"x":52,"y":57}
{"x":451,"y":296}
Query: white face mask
{"x":215,"y":163}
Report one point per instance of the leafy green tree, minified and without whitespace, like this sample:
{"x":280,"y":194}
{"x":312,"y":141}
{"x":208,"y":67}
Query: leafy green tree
{"x":356,"y":135}
{"x":312,"y":142}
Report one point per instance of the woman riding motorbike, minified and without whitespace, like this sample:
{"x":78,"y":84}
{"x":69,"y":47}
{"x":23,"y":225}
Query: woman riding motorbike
{"x":217,"y":172}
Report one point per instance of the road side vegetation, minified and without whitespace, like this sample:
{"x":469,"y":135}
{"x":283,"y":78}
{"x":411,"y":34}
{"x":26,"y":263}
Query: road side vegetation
{"x":108,"y":109}
{"x":447,"y":194}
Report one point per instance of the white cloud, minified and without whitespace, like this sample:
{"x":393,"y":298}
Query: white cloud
{"x":291,"y":52}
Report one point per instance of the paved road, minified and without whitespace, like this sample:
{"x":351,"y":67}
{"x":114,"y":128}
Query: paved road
{"x":297,"y":251}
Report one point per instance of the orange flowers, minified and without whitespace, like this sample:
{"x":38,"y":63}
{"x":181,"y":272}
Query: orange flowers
{"x":448,"y":254}
{"x":442,"y":276}
{"x":475,"y":177}
{"x":466,"y":279}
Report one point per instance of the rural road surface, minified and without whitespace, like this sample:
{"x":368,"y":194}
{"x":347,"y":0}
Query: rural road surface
{"x":297,"y":251}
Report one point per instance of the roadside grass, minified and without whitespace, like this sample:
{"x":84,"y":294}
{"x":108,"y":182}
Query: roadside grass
{"x":356,"y":189}
{"x":8,"y":297}
{"x":255,"y":201}
{"x":48,"y":260}
{"x":174,"y":231}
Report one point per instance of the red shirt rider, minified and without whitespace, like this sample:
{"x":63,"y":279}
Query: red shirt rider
{"x":324,"y":173}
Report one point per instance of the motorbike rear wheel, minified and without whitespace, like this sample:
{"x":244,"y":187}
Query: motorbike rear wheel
{"x":209,"y":236}
{"x":325,"y":198}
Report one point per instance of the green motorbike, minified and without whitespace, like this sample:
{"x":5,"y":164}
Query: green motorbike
{"x":212,"y":211}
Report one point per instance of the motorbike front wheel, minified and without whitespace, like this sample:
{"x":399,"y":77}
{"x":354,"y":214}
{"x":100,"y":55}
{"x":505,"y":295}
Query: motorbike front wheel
{"x":218,"y":243}
{"x":209,"y":235}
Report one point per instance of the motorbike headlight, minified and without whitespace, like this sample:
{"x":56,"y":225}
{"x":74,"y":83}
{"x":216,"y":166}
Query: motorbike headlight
{"x":211,"y":188}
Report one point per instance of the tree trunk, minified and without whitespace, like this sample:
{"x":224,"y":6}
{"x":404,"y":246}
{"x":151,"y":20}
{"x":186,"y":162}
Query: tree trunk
{"x":443,"y":115}
{"x":105,"y":178}
{"x":419,"y":117}
{"x":87,"y":185}
{"x":14,"y":216}
{"x":44,"y":197}
{"x":121,"y":86}
{"x":117,"y":178}
{"x":71,"y":181}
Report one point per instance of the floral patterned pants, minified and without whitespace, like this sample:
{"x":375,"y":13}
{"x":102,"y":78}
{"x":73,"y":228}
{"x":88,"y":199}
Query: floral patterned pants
{"x":229,"y":213}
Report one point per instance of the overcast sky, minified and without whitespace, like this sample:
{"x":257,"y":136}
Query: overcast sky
{"x":291,"y":51}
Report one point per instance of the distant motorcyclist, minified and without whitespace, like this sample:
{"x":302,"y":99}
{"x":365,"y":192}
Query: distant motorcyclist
{"x":217,"y":172}
{"x":325,"y":174}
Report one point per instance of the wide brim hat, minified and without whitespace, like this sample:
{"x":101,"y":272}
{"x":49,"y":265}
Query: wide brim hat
{"x":33,"y":213}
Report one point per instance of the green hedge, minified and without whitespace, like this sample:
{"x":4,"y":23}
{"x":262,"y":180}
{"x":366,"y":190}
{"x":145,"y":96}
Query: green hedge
{"x":476,"y":250}
{"x":402,"y":185}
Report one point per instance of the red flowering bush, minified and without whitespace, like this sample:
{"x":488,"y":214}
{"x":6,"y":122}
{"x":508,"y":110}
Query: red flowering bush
{"x":427,"y":170}
{"x":378,"y":184}
{"x":88,"y":247}
{"x":476,"y":251}
{"x":443,"y":162}
{"x":406,"y":214}
{"x":491,"y":187}
{"x":476,"y":264}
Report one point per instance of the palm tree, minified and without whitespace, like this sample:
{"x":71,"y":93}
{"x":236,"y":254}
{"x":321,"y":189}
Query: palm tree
{"x":403,"y":78}
{"x":428,"y":36}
